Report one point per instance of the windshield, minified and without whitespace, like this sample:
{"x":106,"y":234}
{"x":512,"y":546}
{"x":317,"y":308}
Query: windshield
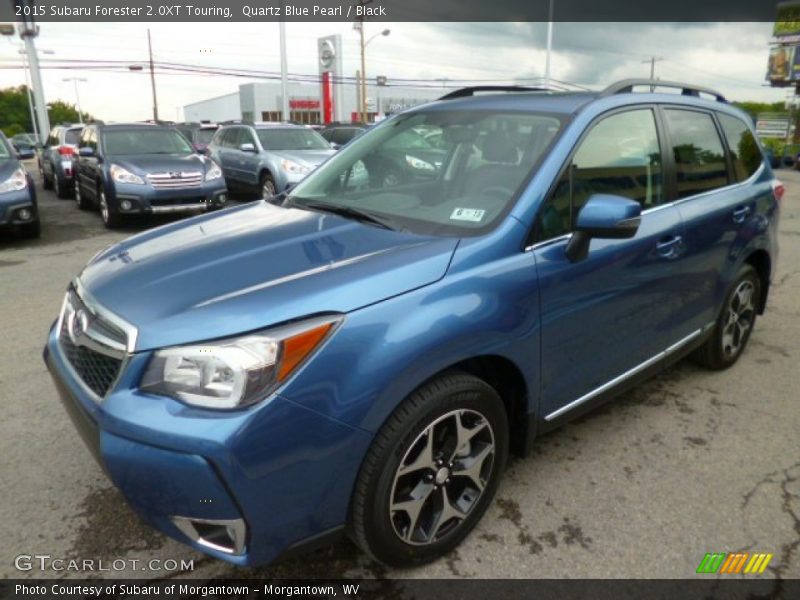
{"x":145,"y":141}
{"x":203,"y":136}
{"x":71,"y":136}
{"x":439,"y":172}
{"x":291,"y":139}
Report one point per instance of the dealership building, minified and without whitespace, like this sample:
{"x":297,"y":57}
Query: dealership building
{"x":262,"y":102}
{"x":333,"y":98}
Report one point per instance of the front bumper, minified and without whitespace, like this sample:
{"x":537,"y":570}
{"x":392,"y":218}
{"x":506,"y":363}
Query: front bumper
{"x":145,"y":199}
{"x":283,"y":472}
{"x":13,"y":203}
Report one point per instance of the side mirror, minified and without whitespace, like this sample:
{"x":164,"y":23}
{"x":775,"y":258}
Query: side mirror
{"x":335,"y":146}
{"x":86,"y":151}
{"x":247,"y":147}
{"x":25,"y":154}
{"x":603,"y":216}
{"x":203,"y":150}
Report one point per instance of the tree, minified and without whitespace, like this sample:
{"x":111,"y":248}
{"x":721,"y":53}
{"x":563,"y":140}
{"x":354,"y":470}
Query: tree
{"x":15,"y":114}
{"x":62,"y":112}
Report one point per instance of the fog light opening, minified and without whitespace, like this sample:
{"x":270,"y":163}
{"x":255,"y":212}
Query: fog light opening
{"x":223,"y":535}
{"x":222,"y":199}
{"x":24,"y":214}
{"x":126,"y":205}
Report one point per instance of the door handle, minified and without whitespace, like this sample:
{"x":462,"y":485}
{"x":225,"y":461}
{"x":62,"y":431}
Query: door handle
{"x":740,"y":214}
{"x":668,"y":247}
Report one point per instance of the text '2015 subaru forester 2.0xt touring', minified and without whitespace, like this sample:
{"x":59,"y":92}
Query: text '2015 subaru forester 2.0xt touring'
{"x":361,"y":353}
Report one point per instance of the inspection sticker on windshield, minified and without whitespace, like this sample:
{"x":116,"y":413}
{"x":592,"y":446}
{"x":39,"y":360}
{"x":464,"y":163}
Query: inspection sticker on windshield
{"x":468,"y":214}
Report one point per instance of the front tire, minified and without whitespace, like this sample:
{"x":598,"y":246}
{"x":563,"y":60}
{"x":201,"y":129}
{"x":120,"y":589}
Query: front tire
{"x":46,"y":183}
{"x":82,"y":203}
{"x":60,"y":187}
{"x":734,"y":324}
{"x":110,"y":220}
{"x":268,"y":189}
{"x":431,"y":472}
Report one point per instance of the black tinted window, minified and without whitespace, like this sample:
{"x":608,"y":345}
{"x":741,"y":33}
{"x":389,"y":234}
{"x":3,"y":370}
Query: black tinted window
{"x":72,"y":136}
{"x":620,"y":155}
{"x":699,"y":157}
{"x":744,"y":148}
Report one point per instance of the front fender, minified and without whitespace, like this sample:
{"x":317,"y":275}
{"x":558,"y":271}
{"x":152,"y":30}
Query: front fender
{"x":383,"y":352}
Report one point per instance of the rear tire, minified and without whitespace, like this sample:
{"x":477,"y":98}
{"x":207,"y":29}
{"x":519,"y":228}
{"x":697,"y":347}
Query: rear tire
{"x":46,"y":183}
{"x":82,"y":203}
{"x":734,"y":324}
{"x":431,"y":471}
{"x":60,"y":187}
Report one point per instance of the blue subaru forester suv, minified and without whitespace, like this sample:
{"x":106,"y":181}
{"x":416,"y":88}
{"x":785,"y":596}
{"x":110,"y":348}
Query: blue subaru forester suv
{"x":360,"y":354}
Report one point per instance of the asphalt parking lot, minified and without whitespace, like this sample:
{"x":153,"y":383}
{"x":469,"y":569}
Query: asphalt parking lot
{"x":689,"y":463}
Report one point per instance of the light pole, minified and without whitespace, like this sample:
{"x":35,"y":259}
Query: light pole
{"x":75,"y":81}
{"x":31,"y":102}
{"x":364,"y":45}
{"x":549,"y":46}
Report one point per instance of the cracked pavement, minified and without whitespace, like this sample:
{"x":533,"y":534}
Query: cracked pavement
{"x":688,"y":463}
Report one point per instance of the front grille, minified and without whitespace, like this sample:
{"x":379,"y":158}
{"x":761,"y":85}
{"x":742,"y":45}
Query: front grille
{"x":98,"y":370}
{"x":176,"y":180}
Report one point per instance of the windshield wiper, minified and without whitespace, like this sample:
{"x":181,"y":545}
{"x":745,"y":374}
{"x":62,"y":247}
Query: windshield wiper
{"x":349,"y":212}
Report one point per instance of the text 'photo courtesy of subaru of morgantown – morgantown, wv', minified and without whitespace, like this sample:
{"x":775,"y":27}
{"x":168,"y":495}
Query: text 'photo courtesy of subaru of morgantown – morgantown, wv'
{"x":304,"y":299}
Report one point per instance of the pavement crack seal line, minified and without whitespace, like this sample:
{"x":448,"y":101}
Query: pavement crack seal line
{"x":782,"y":478}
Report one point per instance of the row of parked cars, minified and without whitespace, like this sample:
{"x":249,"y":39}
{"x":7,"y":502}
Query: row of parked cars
{"x":125,"y":169}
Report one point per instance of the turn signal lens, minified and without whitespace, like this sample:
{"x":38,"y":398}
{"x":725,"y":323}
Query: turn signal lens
{"x":297,"y":347}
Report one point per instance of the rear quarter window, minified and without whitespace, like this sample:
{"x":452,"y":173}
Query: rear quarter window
{"x":745,"y":153}
{"x":700,"y":164}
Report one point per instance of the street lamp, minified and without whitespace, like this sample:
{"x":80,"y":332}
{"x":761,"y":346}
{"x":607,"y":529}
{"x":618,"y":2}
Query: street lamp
{"x":31,"y":104}
{"x":75,"y":81}
{"x":364,"y":45}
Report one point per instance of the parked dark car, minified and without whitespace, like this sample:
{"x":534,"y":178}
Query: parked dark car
{"x":339,"y":134}
{"x":360,"y":355}
{"x":139,"y":168}
{"x":56,"y":159}
{"x":18,"y":207}
{"x":267,"y":158}
{"x":25,"y":142}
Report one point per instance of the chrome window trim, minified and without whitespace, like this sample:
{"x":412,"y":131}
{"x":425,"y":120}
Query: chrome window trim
{"x":628,"y":374}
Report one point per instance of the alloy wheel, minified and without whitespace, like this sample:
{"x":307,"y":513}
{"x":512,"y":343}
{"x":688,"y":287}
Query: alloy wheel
{"x":741,"y":313}
{"x":441,"y":477}
{"x":268,"y":189}
{"x":103,"y":207}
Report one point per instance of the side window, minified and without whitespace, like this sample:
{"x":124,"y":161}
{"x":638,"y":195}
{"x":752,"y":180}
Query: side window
{"x":620,"y":155}
{"x":52,"y":139}
{"x":246,"y":137}
{"x":699,"y":158}
{"x":745,"y":153}
{"x":84,"y":140}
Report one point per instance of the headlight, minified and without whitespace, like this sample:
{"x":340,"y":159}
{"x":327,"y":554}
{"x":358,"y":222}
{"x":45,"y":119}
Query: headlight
{"x":292,"y":167}
{"x":18,"y":181}
{"x":416,"y":163}
{"x":214,"y":172}
{"x":120,"y":175}
{"x":237,"y":372}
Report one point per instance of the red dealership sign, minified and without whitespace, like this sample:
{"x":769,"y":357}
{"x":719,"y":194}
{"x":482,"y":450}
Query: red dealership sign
{"x":295,"y":104}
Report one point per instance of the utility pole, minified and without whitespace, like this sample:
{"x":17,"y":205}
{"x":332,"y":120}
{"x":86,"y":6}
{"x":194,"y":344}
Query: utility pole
{"x":284,"y":74}
{"x":549,"y":46}
{"x":653,"y":60}
{"x":152,"y":75}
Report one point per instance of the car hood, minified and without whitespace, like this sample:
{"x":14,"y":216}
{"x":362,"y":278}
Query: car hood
{"x":250,"y":267}
{"x":309,"y":158}
{"x":158,"y":163}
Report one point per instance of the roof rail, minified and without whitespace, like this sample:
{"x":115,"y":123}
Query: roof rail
{"x":626,"y":86}
{"x":470,"y":91}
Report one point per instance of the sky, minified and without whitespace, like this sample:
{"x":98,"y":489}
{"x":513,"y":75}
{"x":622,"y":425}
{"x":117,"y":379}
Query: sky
{"x":730,"y":57}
